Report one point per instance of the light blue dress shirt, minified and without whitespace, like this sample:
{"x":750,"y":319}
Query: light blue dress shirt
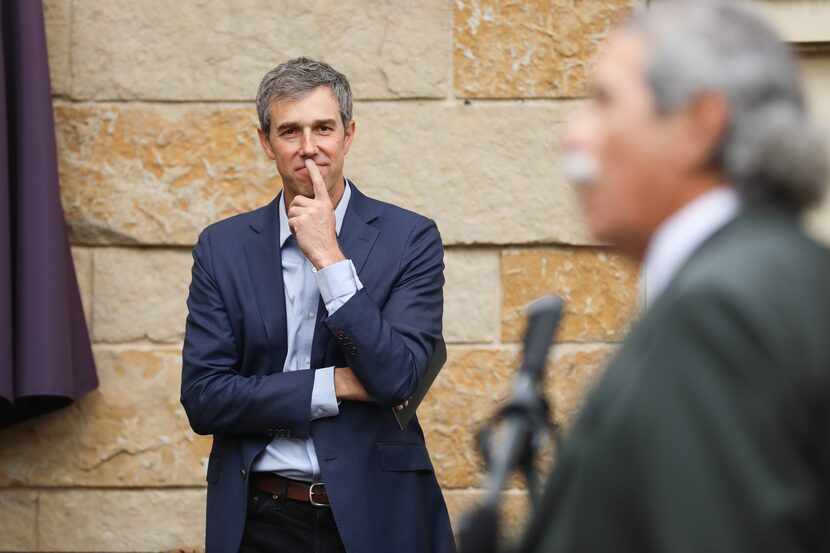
{"x":296,"y":458}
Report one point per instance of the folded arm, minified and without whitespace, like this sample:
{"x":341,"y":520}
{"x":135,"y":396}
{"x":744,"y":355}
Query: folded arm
{"x":389,"y":348}
{"x":216,"y":398}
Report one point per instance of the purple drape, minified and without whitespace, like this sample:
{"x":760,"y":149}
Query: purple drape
{"x":45,"y":356}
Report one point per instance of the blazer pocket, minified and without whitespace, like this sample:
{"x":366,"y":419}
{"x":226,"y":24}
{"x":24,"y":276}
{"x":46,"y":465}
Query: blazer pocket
{"x":213,"y":469}
{"x":398,"y":457}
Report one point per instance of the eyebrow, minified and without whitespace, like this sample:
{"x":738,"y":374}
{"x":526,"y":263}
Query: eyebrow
{"x":316,"y":123}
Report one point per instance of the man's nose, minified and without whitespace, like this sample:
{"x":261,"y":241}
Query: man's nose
{"x":577,"y":132}
{"x":308,"y":147}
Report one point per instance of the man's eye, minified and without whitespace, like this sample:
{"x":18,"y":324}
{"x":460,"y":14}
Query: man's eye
{"x":324,"y":128}
{"x":601,"y":96}
{"x":288,"y":132}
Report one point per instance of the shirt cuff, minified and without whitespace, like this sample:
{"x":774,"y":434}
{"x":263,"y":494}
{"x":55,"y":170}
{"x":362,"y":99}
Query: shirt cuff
{"x":337,"y":284}
{"x":323,"y":397}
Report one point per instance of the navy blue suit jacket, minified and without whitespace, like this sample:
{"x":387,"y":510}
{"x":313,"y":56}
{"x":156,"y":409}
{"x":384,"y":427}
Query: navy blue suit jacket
{"x":379,"y":479}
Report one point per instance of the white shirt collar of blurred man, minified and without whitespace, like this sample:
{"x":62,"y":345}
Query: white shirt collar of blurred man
{"x":681,"y":235}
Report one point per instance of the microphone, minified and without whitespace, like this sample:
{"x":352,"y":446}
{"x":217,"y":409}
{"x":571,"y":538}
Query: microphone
{"x":543,"y":317}
{"x":523,"y":419}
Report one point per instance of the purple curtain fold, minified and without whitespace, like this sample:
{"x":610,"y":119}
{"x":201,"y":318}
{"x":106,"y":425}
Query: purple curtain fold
{"x":45,"y":355}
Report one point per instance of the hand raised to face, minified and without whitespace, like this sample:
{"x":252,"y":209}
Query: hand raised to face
{"x":313,"y":223}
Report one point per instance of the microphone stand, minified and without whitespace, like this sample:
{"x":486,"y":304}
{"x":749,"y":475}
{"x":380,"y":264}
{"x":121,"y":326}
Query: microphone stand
{"x":525,"y":425}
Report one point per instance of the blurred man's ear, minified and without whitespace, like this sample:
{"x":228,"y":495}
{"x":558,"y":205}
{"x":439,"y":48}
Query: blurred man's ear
{"x":709,"y":122}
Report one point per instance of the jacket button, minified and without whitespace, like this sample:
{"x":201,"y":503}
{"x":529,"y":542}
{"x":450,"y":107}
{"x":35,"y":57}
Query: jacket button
{"x":352,"y":351}
{"x":242,"y":473}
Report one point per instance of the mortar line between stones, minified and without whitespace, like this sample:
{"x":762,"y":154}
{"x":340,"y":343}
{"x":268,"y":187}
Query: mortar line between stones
{"x":511,"y":491}
{"x":91,"y":329}
{"x":140,"y":343}
{"x":173,"y":346}
{"x":71,"y":78}
{"x":530,"y":246}
{"x":451,"y":65}
{"x":516,"y":346}
{"x":37,"y":521}
{"x":81,"y":488}
{"x":452,"y":246}
{"x":500,"y":296}
{"x":169,"y":247}
{"x":238,"y":103}
{"x":101,"y":488}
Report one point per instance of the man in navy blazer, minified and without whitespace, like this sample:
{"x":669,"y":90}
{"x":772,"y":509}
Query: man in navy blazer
{"x":309,"y":320}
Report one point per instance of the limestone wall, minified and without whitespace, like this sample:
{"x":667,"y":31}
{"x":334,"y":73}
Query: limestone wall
{"x":459,"y":105}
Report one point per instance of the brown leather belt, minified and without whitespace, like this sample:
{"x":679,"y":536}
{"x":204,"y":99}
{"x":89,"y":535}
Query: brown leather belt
{"x":272,"y":484}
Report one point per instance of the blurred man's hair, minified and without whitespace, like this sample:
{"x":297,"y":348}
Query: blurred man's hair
{"x":772,"y":149}
{"x":295,"y":79}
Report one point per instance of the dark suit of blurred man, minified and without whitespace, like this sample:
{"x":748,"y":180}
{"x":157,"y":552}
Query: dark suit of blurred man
{"x":309,"y":320}
{"x":710,"y":431}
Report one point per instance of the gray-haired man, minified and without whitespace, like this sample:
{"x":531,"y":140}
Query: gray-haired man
{"x":709,"y":431}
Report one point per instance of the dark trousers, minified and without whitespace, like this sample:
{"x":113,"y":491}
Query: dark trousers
{"x":286,"y":526}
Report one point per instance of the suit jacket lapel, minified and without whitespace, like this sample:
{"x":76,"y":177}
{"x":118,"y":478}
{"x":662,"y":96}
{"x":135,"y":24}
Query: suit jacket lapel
{"x":356,"y":240}
{"x":760,"y":214}
{"x":356,"y":236}
{"x":262,"y":252}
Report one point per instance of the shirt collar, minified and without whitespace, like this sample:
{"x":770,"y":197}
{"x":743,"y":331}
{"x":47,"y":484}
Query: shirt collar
{"x":681,"y":235}
{"x":339,"y":213}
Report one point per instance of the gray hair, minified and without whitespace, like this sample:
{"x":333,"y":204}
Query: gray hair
{"x":772,"y":150}
{"x":295,"y":79}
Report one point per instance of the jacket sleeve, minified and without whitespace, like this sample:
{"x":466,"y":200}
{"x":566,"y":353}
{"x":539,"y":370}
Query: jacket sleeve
{"x":216,"y":398}
{"x":389,"y":347}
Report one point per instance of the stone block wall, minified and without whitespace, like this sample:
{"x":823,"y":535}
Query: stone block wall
{"x":459,"y":106}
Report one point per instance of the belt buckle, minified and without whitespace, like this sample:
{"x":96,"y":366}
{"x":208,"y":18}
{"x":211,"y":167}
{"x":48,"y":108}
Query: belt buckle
{"x":311,"y":495}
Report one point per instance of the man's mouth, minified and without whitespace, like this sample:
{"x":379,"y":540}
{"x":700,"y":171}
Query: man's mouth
{"x":304,"y":168}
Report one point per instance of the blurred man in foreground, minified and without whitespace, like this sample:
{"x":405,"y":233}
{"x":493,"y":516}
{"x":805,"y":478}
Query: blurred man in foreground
{"x":709,"y":431}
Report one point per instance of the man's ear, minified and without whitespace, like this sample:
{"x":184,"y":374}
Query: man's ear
{"x":266,"y":144}
{"x":347,"y":141}
{"x":710,"y":121}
